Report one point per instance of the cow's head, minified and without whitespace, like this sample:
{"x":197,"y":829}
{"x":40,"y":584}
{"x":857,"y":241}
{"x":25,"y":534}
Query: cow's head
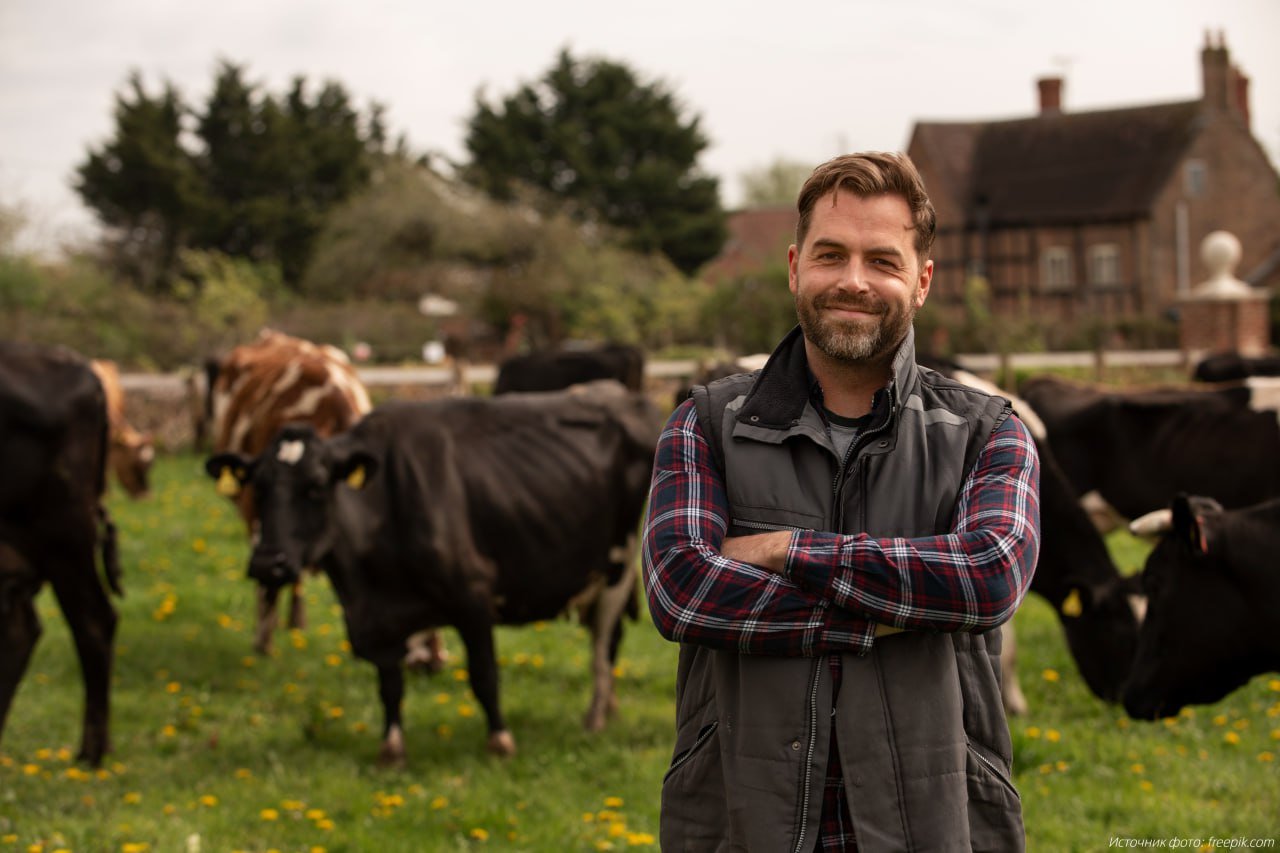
{"x":295,"y":482}
{"x":1189,"y":650}
{"x":131,"y":454}
{"x":1100,"y":619}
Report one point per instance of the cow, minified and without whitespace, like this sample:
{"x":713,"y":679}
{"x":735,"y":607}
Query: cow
{"x":131,"y":452}
{"x":470,"y":512}
{"x":552,"y":370}
{"x":709,"y":372}
{"x":1098,"y":608}
{"x":1213,"y":593}
{"x":255,"y":391}
{"x":54,"y":435}
{"x":1138,"y":449}
{"x":1232,"y":367}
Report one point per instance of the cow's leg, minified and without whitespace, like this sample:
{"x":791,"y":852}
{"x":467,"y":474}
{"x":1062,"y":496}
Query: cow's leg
{"x":425,"y":651}
{"x":297,"y":606}
{"x":92,"y":619}
{"x":265,"y":628}
{"x":19,"y":631}
{"x":482,"y":672}
{"x":391,"y":691}
{"x":1015,"y":704}
{"x":606,"y":636}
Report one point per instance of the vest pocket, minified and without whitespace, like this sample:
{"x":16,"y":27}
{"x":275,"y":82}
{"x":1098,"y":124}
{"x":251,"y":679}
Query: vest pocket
{"x":704,"y":735}
{"x":990,"y":768}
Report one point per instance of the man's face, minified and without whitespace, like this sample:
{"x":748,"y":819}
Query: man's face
{"x":857,"y":280}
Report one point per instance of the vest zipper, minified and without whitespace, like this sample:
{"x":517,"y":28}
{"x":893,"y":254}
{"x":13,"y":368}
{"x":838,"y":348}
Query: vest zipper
{"x":990,"y":765}
{"x":808,"y":762}
{"x":763,"y":525}
{"x":703,"y":737}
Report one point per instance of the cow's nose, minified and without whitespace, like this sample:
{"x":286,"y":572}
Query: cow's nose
{"x":269,"y":569}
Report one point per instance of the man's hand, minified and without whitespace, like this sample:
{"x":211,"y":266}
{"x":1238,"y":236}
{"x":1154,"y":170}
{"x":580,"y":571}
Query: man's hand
{"x":766,"y":550}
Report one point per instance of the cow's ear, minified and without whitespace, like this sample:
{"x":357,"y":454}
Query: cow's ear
{"x":354,"y":468}
{"x":1187,"y":526}
{"x":1074,"y":604}
{"x":230,"y":470}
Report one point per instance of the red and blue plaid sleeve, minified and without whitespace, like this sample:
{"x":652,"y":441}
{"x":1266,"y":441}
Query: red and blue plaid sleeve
{"x":697,"y":596}
{"x":971,"y":579}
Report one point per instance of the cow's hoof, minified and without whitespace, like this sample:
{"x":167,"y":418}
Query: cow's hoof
{"x":594,"y":721}
{"x":391,"y":759}
{"x":502,"y":744}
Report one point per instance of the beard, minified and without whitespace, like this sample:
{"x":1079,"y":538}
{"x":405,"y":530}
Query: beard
{"x":855,"y":341}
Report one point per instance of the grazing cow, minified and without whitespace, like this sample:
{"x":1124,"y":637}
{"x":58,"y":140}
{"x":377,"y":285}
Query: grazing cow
{"x":552,"y":370}
{"x":258,"y":389}
{"x":131,"y":452}
{"x":468,"y":512}
{"x":1097,"y":607}
{"x":53,"y":452}
{"x":1214,"y":591}
{"x":1138,"y":449}
{"x":1232,"y":367}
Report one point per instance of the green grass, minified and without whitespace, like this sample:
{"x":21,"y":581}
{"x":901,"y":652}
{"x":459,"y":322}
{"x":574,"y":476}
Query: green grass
{"x":217,"y":750}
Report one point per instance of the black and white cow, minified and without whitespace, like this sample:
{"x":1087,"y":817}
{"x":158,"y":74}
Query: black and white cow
{"x":1138,"y":449}
{"x":470,"y":512}
{"x":552,"y":370}
{"x":54,"y":435}
{"x":1213,"y":591}
{"x":1094,"y":603}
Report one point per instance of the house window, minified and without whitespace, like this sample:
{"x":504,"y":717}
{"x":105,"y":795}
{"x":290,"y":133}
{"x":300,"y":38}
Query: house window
{"x":1055,"y":268}
{"x":1195,"y":176}
{"x":1104,"y":265}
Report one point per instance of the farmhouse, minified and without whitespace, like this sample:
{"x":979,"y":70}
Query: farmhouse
{"x":1101,"y":214}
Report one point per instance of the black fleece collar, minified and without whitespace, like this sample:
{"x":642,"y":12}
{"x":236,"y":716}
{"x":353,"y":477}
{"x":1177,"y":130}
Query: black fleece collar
{"x":778,"y":398}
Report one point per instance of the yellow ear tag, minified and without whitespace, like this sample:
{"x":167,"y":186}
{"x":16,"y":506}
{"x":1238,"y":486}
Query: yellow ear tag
{"x":228,"y":485}
{"x":1071,"y":604}
{"x":356,"y":478}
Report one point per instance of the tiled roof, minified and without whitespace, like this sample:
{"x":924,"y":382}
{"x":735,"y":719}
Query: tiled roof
{"x":1062,"y":167}
{"x":758,"y":238}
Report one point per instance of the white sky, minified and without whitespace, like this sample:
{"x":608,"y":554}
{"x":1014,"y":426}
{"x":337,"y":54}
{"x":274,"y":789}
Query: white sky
{"x":802,"y":80}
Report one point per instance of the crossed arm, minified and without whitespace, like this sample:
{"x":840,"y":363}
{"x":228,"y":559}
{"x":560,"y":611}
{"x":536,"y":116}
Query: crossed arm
{"x":805,"y":593}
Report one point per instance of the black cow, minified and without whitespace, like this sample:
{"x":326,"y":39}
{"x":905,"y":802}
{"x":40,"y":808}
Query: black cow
{"x":1214,"y":593}
{"x":1075,"y":574}
{"x":552,"y":370}
{"x":1138,"y":449}
{"x":1232,"y":367}
{"x":468,"y":512}
{"x":53,"y":451}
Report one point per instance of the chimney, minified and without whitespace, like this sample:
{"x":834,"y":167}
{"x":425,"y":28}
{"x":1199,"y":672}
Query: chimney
{"x":1215,"y":66}
{"x":1241,"y":85}
{"x":1050,"y":95}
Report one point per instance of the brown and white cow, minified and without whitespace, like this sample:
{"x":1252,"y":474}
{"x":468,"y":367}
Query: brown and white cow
{"x":131,"y":452}
{"x":259,"y":388}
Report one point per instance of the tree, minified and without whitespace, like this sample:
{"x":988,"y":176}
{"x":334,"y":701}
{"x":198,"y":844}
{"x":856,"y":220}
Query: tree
{"x":251,"y":175}
{"x":616,"y":148}
{"x":777,"y":183}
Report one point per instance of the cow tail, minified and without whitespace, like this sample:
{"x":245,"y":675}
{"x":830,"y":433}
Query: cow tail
{"x":110,"y":550}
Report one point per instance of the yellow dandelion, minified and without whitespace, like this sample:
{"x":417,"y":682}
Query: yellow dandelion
{"x":208,"y":801}
{"x":199,"y":545}
{"x":8,"y":839}
{"x":479,"y":834}
{"x":444,"y":731}
{"x":1203,"y":755}
{"x":317,"y":850}
{"x":1050,"y":675}
{"x":225,"y":621}
{"x":521,"y":658}
{"x":31,"y":769}
{"x":1053,"y":735}
{"x":169,"y":810}
{"x":1062,"y":766}
{"x":537,"y":661}
{"x":314,"y":814}
{"x":439,"y":803}
{"x":1240,"y":725}
{"x":333,"y":660}
{"x":168,"y":731}
{"x":1275,"y":734}
{"x":269,"y":814}
{"x":1187,"y":712}
{"x":466,"y":711}
{"x":1274,"y":685}
{"x":336,"y":712}
{"x":132,"y":798}
{"x":102,"y":773}
{"x":63,"y":754}
{"x":1231,"y":738}
{"x":292,"y":805}
{"x":606,"y":815}
{"x":588,"y":817}
{"x":1146,"y":785}
{"x":134,"y":847}
{"x":1033,"y":732}
{"x":75,"y":774}
{"x":44,"y":754}
{"x":1220,"y":720}
{"x":173,"y":687}
{"x":1266,"y":757}
{"x":617,"y":829}
{"x":298,"y":639}
{"x":604,"y":844}
{"x":324,"y":824}
{"x":1046,"y":769}
{"x":613,"y":802}
{"x":459,"y":675}
{"x":244,"y":773}
{"x":639,"y":839}
{"x":1137,"y":768}
{"x":1122,"y":723}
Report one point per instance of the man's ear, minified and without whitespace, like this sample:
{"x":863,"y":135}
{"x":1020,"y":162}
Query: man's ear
{"x":231,"y":470}
{"x":354,"y":467}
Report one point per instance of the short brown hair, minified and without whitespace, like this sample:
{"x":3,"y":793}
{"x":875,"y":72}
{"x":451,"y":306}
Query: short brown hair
{"x":868,"y":174}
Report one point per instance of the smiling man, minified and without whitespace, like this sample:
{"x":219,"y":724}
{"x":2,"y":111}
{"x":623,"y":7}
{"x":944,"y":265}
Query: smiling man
{"x":835,"y":540}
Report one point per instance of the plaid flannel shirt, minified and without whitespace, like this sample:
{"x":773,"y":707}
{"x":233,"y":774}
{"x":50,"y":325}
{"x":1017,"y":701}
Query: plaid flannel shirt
{"x":837,"y":586}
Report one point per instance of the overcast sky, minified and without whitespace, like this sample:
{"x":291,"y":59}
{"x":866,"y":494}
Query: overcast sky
{"x":799,"y":80}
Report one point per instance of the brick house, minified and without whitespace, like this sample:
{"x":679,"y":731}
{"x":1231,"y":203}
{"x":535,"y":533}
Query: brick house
{"x":1100,"y":215}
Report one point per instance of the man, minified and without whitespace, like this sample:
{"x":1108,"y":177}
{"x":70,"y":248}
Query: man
{"x":834,"y":541}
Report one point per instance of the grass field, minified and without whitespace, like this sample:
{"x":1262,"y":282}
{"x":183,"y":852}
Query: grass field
{"x":218,"y":750}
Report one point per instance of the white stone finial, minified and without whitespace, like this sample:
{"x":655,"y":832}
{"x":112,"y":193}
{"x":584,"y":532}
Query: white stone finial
{"x":1221,"y":252}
